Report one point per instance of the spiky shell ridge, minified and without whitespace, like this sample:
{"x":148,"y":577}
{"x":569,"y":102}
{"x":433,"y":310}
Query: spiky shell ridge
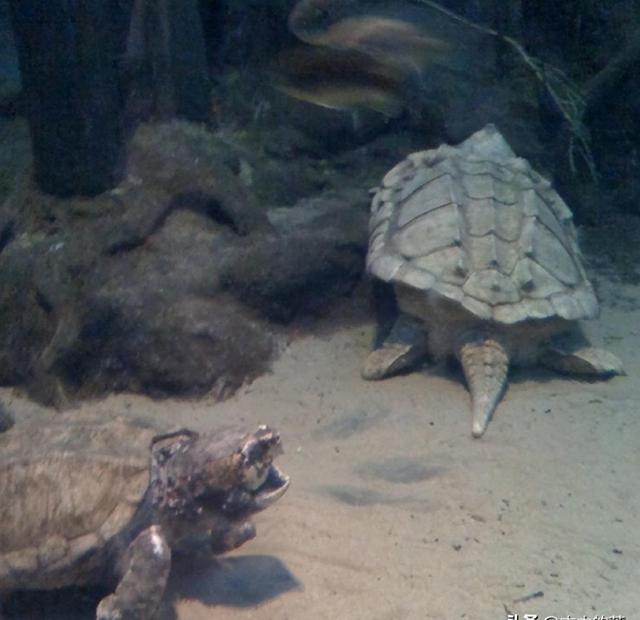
{"x":479,"y":226}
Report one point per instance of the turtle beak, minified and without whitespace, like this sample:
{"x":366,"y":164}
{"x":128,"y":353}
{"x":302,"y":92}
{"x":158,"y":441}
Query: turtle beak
{"x":271,"y":490}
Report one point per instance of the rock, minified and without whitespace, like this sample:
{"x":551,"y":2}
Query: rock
{"x":188,"y":347}
{"x":25,"y":327}
{"x":170,"y":283}
{"x":317,"y":256}
{"x":192,"y":167}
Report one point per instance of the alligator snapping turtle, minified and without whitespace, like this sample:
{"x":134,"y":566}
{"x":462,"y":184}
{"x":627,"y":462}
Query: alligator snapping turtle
{"x":483,"y":256}
{"x":105,"y":503}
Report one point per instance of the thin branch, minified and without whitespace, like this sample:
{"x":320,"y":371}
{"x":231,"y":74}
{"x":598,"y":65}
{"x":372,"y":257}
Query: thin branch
{"x":562,"y":91}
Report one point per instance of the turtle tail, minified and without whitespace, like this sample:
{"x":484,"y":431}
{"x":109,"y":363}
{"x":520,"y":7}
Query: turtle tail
{"x":485,"y":363}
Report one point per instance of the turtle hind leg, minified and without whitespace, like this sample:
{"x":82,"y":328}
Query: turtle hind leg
{"x":485,"y":364}
{"x":580,"y":359}
{"x":402,"y":348}
{"x":144,"y":579}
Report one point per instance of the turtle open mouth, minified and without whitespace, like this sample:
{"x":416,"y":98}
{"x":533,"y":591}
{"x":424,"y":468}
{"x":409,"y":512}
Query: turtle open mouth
{"x":269,"y":487}
{"x":262,"y":480}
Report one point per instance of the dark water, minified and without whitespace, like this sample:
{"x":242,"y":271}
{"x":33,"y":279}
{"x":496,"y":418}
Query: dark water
{"x":185,"y":196}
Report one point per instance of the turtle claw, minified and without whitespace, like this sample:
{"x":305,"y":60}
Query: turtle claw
{"x":587,"y":361}
{"x":403,"y":347}
{"x":390,"y":359}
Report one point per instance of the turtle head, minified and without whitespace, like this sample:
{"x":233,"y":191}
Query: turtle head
{"x":261,"y":481}
{"x":216,"y":481}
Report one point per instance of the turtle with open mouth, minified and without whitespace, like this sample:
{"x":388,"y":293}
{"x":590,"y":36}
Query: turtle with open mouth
{"x":100,"y":503}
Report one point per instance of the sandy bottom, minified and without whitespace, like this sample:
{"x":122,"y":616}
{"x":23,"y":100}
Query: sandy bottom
{"x":396,"y":513}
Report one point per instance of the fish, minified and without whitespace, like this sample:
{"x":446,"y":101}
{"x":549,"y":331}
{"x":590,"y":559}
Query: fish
{"x":340,"y":80}
{"x":391,"y":41}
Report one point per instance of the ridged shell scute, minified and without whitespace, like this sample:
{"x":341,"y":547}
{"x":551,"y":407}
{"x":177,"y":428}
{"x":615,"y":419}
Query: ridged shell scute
{"x":482,"y":229}
{"x":84,"y":481}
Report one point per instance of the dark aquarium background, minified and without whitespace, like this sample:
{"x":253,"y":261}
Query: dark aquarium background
{"x":185,"y":198}
{"x":181,"y":179}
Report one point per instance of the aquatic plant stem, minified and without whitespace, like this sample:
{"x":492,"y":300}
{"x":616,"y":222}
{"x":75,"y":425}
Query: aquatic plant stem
{"x":571,"y":104}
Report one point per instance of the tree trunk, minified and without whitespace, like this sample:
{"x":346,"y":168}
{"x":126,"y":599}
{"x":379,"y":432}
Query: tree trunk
{"x":189,"y":61}
{"x":69,"y":52}
{"x":167,"y":60}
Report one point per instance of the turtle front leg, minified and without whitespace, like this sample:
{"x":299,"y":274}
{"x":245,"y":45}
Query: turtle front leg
{"x":144,"y":579}
{"x":229,"y":537}
{"x":403,"y":347}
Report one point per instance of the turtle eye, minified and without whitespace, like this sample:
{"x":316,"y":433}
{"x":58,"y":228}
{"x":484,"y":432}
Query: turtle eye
{"x":254,"y":452}
{"x":262,"y":447}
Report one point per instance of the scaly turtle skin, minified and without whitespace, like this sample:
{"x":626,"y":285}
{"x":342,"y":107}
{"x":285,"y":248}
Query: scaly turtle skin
{"x":483,"y":256}
{"x":97,"y":503}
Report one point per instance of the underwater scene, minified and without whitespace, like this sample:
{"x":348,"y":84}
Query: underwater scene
{"x":319,"y":310}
